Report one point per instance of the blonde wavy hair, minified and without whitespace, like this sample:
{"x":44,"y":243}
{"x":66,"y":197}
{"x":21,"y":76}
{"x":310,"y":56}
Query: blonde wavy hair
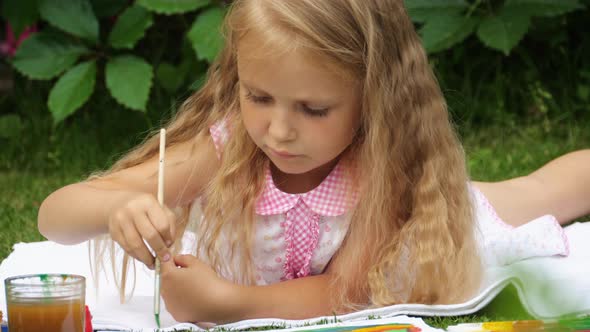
{"x":412,"y":233}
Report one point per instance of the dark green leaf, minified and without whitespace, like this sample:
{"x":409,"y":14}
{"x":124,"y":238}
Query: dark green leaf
{"x":543,"y":7}
{"x":170,"y":77}
{"x":130,"y":27}
{"x":442,"y":32}
{"x":45,"y":55}
{"x":505,"y":30}
{"x":583,"y":92}
{"x":72,"y":90}
{"x":20,"y":14}
{"x":205,"y":34}
{"x":423,"y":10}
{"x":10,"y":126}
{"x":108,"y":8}
{"x":129,"y":79}
{"x":73,"y":16}
{"x":168,"y":7}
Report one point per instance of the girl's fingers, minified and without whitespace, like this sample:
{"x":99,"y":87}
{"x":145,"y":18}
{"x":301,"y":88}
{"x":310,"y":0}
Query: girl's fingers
{"x":136,"y":247}
{"x":153,"y":237}
{"x":185,"y":260}
{"x":142,"y":225}
{"x":161,"y":222}
{"x":117,"y":235}
{"x":126,"y":247}
{"x":172,"y":220}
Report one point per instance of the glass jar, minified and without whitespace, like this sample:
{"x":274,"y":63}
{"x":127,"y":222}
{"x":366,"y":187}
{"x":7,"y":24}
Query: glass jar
{"x":46,"y":302}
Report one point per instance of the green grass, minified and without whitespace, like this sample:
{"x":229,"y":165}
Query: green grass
{"x":495,"y":152}
{"x":504,"y":151}
{"x":19,"y":205}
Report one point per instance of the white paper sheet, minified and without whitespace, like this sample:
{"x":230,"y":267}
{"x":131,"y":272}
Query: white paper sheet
{"x":548,"y":287}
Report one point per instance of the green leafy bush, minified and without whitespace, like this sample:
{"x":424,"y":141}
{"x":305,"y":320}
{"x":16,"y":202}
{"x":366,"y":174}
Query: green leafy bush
{"x":507,"y":60}
{"x":545,"y":77}
{"x":495,"y":59}
{"x":82,"y":42}
{"x":499,"y":25}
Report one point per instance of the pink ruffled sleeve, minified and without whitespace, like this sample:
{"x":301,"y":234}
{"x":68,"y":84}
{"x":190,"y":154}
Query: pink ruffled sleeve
{"x":219,"y":134}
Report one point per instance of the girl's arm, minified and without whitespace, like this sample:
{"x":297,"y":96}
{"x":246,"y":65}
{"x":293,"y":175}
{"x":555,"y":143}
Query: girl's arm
{"x":292,"y":299}
{"x":193,"y":292}
{"x":560,"y":188}
{"x":81,"y":211}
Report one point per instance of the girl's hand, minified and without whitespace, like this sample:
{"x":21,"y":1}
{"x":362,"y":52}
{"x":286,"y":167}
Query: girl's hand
{"x":193,"y":292}
{"x":141,"y":218}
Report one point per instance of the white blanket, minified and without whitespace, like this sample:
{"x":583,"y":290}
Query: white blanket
{"x":548,"y":287}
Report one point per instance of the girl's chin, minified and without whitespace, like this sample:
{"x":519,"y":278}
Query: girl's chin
{"x":290,"y":167}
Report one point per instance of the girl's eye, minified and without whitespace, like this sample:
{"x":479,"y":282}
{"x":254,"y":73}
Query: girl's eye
{"x":315,"y":111}
{"x":319,"y":112}
{"x":258,"y":99}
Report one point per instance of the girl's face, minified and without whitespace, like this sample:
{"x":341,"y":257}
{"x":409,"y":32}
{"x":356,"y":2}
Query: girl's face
{"x":300,"y":114}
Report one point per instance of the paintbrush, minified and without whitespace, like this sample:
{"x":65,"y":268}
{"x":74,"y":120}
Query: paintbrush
{"x":161,"y":202}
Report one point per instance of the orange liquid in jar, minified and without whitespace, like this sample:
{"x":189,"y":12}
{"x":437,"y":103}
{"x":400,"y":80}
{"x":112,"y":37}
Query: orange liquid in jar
{"x":53,"y":316}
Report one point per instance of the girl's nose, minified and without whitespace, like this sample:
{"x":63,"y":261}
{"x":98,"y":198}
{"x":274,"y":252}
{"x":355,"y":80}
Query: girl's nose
{"x":281,"y":127}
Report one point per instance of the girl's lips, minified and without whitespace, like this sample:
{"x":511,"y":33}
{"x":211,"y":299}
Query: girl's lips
{"x":282,"y":154}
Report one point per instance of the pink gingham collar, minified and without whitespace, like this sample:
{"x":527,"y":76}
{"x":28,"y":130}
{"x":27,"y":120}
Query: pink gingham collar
{"x":330,"y":198}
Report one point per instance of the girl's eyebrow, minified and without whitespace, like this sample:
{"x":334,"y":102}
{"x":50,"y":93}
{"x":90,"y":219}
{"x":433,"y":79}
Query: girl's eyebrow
{"x":249,"y":86}
{"x":252,"y":88}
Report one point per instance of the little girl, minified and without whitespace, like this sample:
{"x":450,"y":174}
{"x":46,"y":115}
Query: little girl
{"x":328,"y":174}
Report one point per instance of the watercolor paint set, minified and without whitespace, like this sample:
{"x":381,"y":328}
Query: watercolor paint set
{"x":368,"y":328}
{"x":581,"y":324}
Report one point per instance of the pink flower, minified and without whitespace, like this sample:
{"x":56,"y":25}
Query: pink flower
{"x":9,"y":46}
